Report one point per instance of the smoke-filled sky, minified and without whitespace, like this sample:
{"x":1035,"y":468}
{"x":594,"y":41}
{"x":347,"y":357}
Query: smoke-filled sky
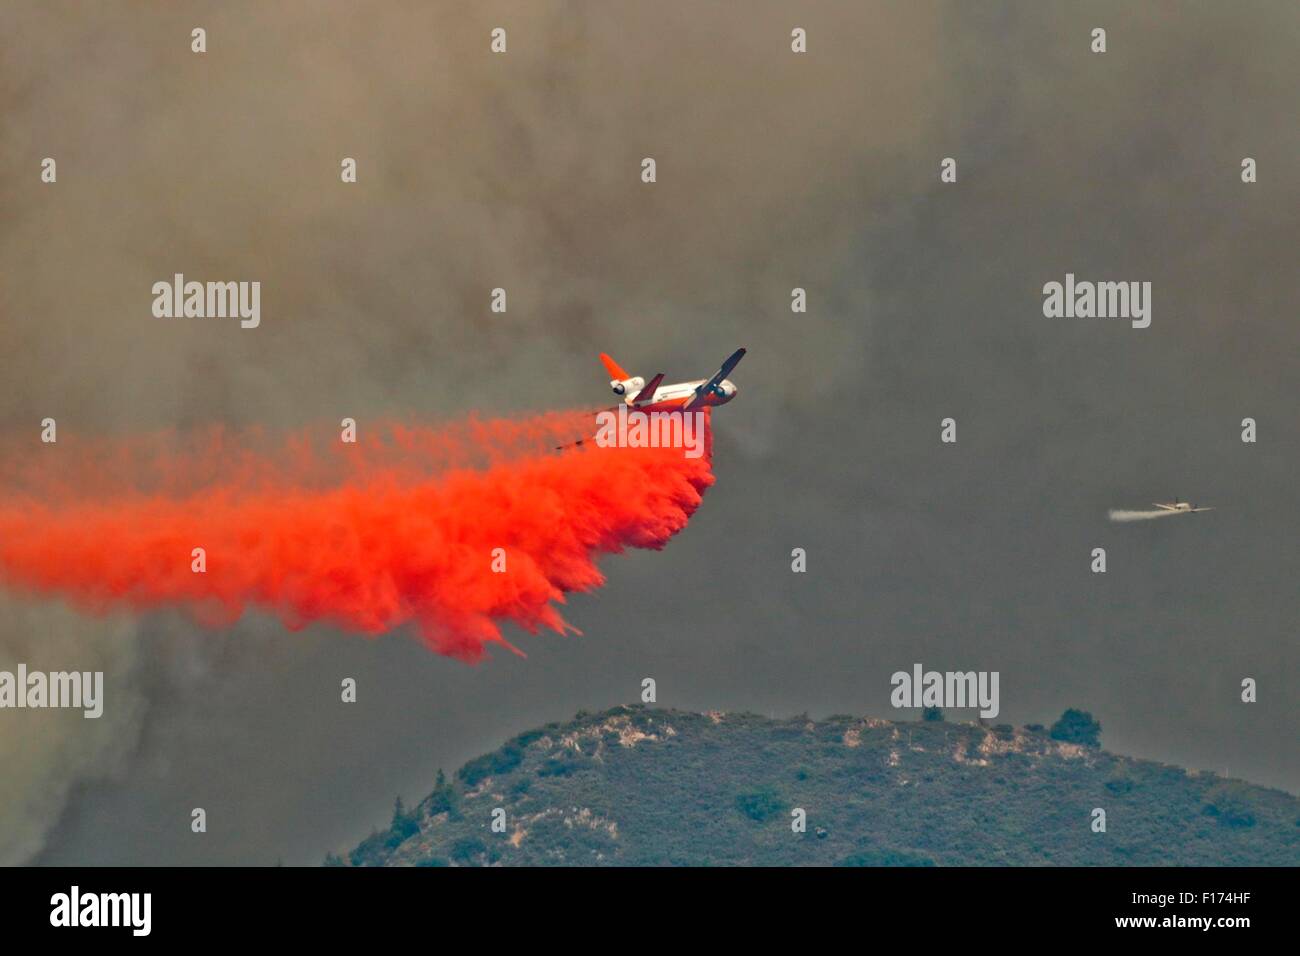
{"x":775,"y":170}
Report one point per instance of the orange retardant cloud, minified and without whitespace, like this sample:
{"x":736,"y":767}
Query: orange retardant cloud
{"x":399,"y":528}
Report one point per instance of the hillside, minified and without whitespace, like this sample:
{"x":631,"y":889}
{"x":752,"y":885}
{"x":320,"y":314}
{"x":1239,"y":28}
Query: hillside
{"x":641,"y":786}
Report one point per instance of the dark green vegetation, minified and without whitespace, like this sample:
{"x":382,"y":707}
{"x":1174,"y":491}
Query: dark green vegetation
{"x":638,"y":786}
{"x":1077,"y":727}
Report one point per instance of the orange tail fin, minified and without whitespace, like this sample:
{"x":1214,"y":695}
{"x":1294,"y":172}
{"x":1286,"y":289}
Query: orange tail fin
{"x":613,"y":368}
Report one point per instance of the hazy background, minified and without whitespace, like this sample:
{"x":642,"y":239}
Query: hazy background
{"x":775,"y":170}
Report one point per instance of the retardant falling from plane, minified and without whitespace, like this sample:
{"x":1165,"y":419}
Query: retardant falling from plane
{"x":1163,"y":510}
{"x":1118,"y":514}
{"x":399,"y":528}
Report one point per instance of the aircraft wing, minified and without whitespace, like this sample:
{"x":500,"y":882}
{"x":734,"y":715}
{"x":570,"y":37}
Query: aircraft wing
{"x":648,"y":392}
{"x":732,"y":361}
{"x":1166,"y":507}
{"x":1194,"y":510}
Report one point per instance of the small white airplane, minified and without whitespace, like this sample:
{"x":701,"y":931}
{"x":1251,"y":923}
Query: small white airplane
{"x":1180,"y":506}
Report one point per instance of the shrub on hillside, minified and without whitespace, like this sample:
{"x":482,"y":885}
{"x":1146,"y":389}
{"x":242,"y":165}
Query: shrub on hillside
{"x":759,"y":805}
{"x":1077,"y":727}
{"x":490,"y":765}
{"x":1229,"y":806}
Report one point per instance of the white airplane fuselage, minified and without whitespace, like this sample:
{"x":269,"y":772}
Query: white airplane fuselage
{"x":669,"y":397}
{"x":1181,"y":507}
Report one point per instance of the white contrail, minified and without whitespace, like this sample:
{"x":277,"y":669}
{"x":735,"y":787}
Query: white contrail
{"x":1116,"y":515}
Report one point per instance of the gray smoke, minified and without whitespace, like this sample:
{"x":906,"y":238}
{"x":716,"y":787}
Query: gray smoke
{"x":47,"y":754}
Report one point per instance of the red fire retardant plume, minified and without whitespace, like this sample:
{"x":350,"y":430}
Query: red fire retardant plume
{"x":399,"y":528}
